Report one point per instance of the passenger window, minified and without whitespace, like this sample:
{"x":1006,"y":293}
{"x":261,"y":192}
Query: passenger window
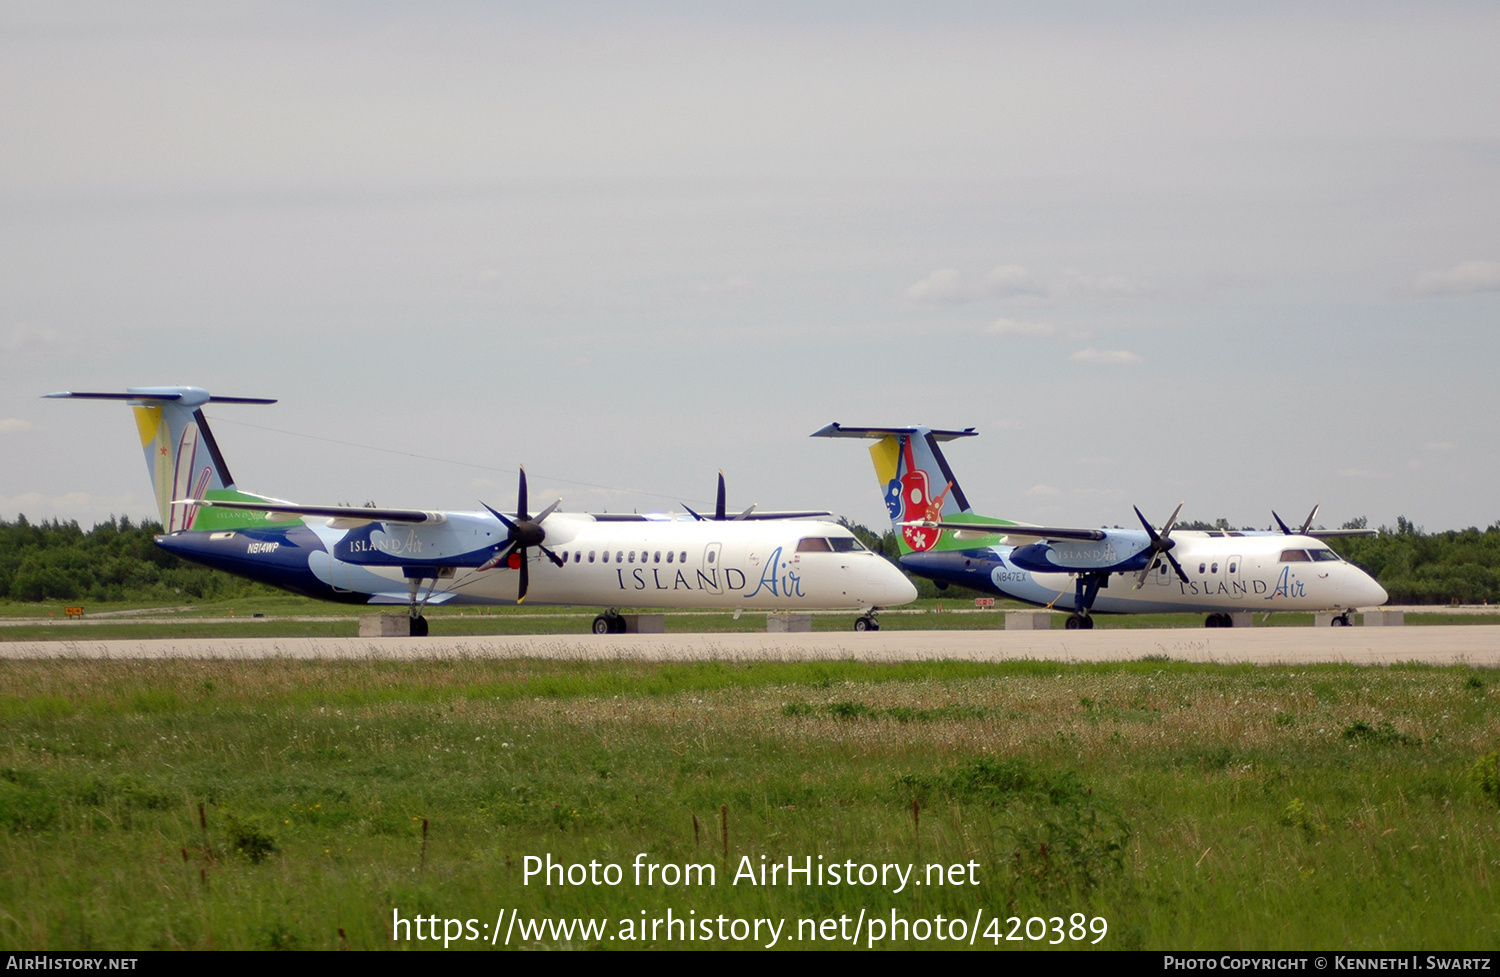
{"x":1294,"y":556}
{"x":710,"y":556}
{"x":1232,"y":567}
{"x":1214,"y":568}
{"x":606,"y":556}
{"x":813,"y":544}
{"x":591,"y":556}
{"x":657,"y":558}
{"x":670,"y":554}
{"x":682,"y":557}
{"x":619,"y":557}
{"x":578,"y":557}
{"x":1202,"y":567}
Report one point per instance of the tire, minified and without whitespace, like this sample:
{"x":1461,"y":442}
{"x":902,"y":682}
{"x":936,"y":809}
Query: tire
{"x":1088,"y":624}
{"x":1075,"y":622}
{"x":601,"y":625}
{"x":1213,"y":621}
{"x":1342,"y":621}
{"x":419,"y":627}
{"x":862,"y":624}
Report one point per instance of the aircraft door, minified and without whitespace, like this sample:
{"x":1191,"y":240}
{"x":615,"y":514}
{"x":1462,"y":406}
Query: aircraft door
{"x":338,"y":575}
{"x":1162,"y":574}
{"x":710,"y":575}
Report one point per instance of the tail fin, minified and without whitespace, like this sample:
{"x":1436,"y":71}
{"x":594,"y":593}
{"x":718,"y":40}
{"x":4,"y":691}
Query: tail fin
{"x":181,"y":454}
{"x":914,"y":476}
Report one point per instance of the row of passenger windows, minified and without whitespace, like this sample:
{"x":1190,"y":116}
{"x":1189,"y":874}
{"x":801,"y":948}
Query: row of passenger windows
{"x":810,"y":544}
{"x":622,"y":556}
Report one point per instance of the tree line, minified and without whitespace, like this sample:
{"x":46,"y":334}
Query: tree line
{"x":114,"y":561}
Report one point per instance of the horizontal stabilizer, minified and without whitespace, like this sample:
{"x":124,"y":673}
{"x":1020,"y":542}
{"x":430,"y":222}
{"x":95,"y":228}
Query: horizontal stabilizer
{"x":348,"y":512}
{"x":837,"y":430}
{"x":156,"y":393}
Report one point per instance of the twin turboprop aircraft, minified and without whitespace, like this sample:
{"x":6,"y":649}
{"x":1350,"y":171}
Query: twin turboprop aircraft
{"x":750,"y":561}
{"x":1120,"y":571}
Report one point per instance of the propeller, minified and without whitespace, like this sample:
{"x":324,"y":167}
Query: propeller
{"x":522,"y":533}
{"x":1161,"y":545}
{"x":1305,"y":526}
{"x":719,"y":510}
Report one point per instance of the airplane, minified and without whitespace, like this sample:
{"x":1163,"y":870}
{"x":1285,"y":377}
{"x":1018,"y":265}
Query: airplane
{"x":751,"y":561}
{"x":1116,"y":571}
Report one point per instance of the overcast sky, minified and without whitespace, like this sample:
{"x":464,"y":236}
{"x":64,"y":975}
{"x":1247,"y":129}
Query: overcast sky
{"x":1246,"y":255}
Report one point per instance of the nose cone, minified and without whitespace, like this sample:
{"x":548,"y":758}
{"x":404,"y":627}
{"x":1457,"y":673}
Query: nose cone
{"x":898,"y":589}
{"x":1368,"y":591}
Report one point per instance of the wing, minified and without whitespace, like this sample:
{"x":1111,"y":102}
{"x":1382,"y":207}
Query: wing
{"x":1013,"y":531}
{"x":349,"y":513}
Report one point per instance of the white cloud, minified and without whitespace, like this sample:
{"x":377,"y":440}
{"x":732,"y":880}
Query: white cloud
{"x":10,"y":424}
{"x":948,"y":286}
{"x":1115,"y":357}
{"x":1462,"y":279}
{"x":941,"y":288}
{"x":1011,"y":327}
{"x":1007,"y":280}
{"x":24,"y":338}
{"x":1043,"y":491}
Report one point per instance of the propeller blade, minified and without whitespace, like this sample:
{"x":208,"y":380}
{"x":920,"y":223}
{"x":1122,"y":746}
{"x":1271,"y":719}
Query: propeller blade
{"x":521,"y":499}
{"x":1284,"y":527}
{"x":525,"y":578}
{"x":1310,"y":517}
{"x":547,"y":511}
{"x":550,"y":555}
{"x":691,"y":512}
{"x":1140,"y":581}
{"x":1167,"y":529}
{"x":1176,"y":566}
{"x":745,"y":513}
{"x":719,"y":501}
{"x":1150,"y":529}
{"x":504,"y":521}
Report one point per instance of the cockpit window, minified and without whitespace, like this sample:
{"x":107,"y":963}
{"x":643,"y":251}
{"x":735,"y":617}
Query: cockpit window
{"x":1323,"y":556}
{"x":813,"y":544}
{"x":1294,"y":556}
{"x":845,"y":544}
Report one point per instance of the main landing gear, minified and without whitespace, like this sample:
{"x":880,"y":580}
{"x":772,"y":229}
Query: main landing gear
{"x":414,"y":611}
{"x":1218,"y":621}
{"x":610,"y":622}
{"x":1085,"y":592}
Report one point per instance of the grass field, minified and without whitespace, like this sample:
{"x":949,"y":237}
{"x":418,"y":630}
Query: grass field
{"x":1187,"y":805}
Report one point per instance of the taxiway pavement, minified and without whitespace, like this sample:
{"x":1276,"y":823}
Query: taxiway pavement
{"x":1439,"y":645}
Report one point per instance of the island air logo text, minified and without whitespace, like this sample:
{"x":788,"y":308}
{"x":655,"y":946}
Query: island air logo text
{"x":1287,"y":585}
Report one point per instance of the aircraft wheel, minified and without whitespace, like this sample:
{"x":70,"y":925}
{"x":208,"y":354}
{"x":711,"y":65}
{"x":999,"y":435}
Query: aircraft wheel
{"x":1075,"y":622}
{"x":1341,"y":621}
{"x":1214,"y":621}
{"x":602,"y":625}
{"x":419,"y":627}
{"x":866,"y":623}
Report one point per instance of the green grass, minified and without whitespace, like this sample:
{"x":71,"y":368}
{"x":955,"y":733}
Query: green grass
{"x":1192,"y":806}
